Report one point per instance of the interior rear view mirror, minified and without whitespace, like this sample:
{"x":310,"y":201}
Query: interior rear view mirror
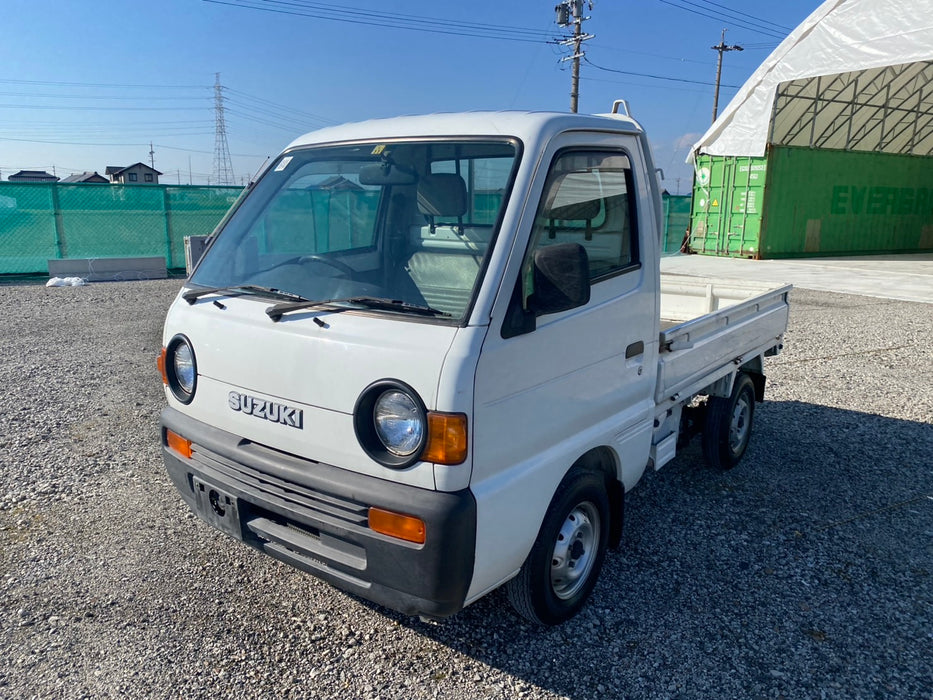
{"x":384,"y":174}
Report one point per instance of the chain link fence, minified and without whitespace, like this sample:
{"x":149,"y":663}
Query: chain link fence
{"x":51,"y":221}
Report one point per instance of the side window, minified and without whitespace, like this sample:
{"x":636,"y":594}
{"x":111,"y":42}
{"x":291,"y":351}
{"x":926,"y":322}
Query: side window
{"x":589,"y":198}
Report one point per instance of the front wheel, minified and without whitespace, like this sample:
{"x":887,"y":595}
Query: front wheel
{"x":564,"y":563}
{"x":729,"y":424}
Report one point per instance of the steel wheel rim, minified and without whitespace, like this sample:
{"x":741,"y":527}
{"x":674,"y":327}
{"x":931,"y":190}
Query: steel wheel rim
{"x":575,"y":550}
{"x":741,"y":422}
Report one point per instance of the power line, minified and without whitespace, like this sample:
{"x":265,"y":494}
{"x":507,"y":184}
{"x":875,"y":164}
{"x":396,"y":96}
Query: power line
{"x":278,"y":106}
{"x":122,"y":145}
{"x":74,"y":108}
{"x":730,"y":10}
{"x":654,"y":77}
{"x":751,"y":25}
{"x":387,"y":21}
{"x":60,"y":96}
{"x":195,"y":150}
{"x":729,"y":20}
{"x":102,"y":85}
{"x":644,"y":86}
{"x":401,"y":17}
{"x":263,"y":113}
{"x":678,"y":59}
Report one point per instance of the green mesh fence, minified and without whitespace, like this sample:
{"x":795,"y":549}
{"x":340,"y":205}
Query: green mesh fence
{"x":43,"y":221}
{"x":28,"y":235}
{"x":676,"y":221}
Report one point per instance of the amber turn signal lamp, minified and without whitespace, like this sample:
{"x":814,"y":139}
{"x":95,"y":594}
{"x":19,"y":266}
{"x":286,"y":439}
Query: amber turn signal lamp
{"x":403,"y":527}
{"x":447,"y":438}
{"x":177,"y":443}
{"x":160,"y":363}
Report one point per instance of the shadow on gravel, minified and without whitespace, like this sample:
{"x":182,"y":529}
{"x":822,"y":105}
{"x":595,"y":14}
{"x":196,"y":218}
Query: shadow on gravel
{"x":804,"y":571}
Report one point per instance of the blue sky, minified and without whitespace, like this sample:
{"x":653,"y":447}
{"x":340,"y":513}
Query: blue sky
{"x":84,"y":85}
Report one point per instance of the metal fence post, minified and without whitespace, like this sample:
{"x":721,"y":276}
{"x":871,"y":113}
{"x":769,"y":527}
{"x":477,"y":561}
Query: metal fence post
{"x":61,"y":245}
{"x":166,"y":204}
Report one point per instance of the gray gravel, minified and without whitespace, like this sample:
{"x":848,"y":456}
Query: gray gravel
{"x":803,"y":573}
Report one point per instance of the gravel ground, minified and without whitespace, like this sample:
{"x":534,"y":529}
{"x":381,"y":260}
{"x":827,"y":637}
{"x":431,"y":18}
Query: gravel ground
{"x":803,"y":573}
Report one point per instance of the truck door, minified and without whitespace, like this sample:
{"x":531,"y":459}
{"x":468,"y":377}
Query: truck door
{"x":577,"y":379}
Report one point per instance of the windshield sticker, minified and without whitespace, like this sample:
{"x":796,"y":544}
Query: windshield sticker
{"x":377,"y":151}
{"x":284,"y":164}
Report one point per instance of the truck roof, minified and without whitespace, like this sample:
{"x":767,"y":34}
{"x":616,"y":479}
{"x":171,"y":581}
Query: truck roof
{"x":526,"y":126}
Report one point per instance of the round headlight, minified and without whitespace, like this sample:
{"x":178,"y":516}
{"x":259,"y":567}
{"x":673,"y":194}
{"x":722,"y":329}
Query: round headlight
{"x":184,"y":368}
{"x":399,"y":423}
{"x":181,"y":368}
{"x":391,"y":424}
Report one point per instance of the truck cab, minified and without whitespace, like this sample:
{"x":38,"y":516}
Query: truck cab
{"x":422,"y":359}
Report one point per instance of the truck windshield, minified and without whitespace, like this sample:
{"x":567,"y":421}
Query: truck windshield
{"x":409,"y":222}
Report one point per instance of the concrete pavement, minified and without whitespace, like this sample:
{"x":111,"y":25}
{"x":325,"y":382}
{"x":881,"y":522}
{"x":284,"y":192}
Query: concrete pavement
{"x":903,"y":277}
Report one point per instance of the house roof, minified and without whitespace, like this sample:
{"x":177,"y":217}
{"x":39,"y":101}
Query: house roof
{"x":85,"y":177}
{"x":116,"y":169}
{"x":33,"y":175}
{"x":851,"y":76}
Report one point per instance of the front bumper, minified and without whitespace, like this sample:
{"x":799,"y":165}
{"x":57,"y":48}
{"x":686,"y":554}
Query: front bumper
{"x":314,"y":516}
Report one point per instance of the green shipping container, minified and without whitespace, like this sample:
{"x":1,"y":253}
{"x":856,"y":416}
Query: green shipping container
{"x":823,"y":202}
{"x":803,"y":202}
{"x":727,"y":204}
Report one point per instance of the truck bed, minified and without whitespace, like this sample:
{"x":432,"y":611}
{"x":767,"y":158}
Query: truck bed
{"x":711,"y":327}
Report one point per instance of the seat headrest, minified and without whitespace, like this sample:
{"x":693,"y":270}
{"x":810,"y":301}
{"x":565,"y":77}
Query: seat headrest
{"x":574,"y":197}
{"x":442,"y":194}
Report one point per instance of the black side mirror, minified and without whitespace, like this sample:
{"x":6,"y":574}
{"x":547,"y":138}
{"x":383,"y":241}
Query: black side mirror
{"x":561,"y":282}
{"x":561,"y":278}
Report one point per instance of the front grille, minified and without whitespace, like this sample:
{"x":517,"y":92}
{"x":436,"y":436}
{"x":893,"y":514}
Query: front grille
{"x":325,"y":507}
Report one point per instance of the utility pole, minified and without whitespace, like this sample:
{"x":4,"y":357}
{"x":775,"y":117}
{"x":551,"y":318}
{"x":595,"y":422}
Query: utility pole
{"x":721,"y":48}
{"x":564,"y":11}
{"x":151,"y":156}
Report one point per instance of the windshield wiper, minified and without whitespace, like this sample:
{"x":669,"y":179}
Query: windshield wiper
{"x":193,"y":295}
{"x":278,"y":310}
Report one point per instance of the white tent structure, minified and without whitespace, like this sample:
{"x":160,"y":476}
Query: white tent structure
{"x":856,"y":75}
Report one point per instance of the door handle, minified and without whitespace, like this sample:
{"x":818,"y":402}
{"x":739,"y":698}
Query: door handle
{"x":634,"y":350}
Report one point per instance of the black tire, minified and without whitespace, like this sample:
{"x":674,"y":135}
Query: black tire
{"x":729,"y":424}
{"x":564,"y":563}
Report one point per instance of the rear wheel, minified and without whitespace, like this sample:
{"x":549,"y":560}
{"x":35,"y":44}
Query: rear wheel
{"x":564,"y":563}
{"x":729,"y":424}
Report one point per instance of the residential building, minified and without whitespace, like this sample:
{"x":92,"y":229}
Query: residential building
{"x":86,"y":178}
{"x":136,"y":174}
{"x":32,"y":176}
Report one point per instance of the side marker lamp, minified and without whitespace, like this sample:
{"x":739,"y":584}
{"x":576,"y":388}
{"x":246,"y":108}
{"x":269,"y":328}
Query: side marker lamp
{"x":160,"y":363}
{"x":398,"y":525}
{"x":178,"y":444}
{"x":447,"y":438}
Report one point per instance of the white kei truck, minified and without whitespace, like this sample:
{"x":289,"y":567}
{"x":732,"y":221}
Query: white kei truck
{"x":426,"y":357}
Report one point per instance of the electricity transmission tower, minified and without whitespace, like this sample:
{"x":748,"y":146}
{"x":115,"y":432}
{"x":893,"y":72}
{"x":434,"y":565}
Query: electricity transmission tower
{"x":721,"y":48}
{"x":565,"y":10}
{"x":223,"y":167}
